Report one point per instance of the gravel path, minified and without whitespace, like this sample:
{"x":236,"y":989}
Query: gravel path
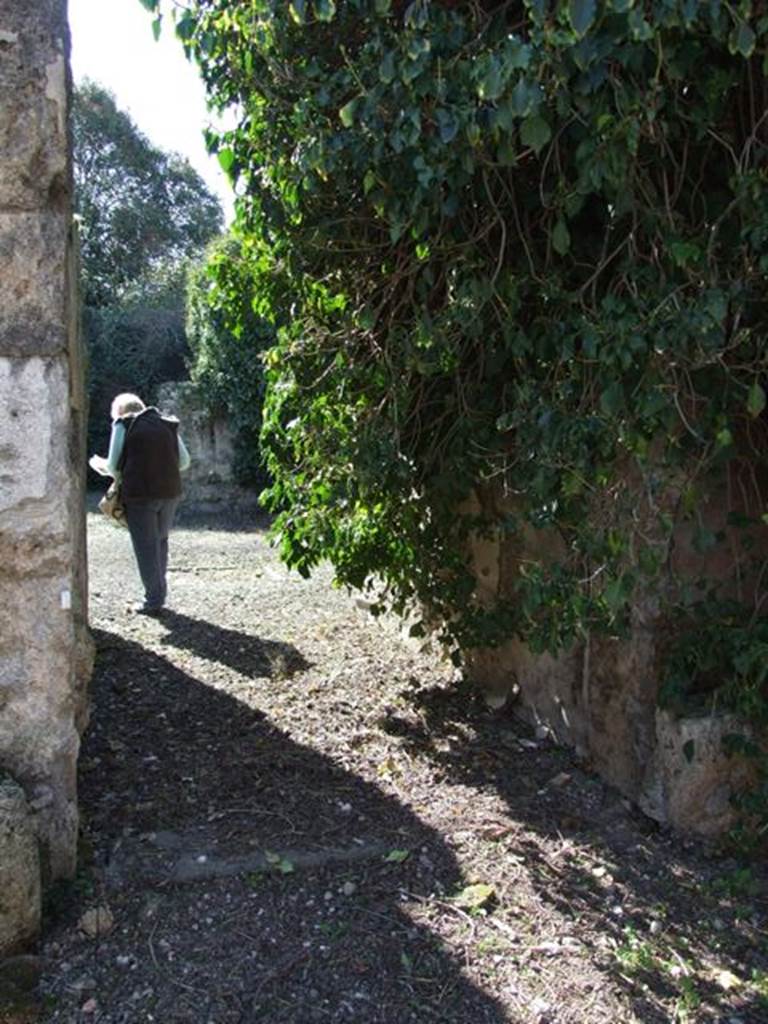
{"x":292,"y":814}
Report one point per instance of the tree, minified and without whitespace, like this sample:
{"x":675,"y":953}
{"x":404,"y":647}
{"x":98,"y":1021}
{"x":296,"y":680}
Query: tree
{"x":140,"y":207}
{"x":524,"y":245}
{"x":227,"y":338}
{"x":145,"y":214}
{"x":134,"y":345}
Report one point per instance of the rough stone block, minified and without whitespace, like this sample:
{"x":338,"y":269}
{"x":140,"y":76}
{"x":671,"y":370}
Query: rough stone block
{"x":209,"y":483}
{"x":33,"y":269}
{"x":619,"y":688}
{"x":38,"y":738}
{"x":691,"y":780}
{"x":20,"y":889}
{"x":543,"y":684}
{"x":33,"y":444}
{"x":34,"y":44}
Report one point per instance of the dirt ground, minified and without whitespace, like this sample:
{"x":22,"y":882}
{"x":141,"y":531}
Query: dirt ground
{"x":292,"y":814}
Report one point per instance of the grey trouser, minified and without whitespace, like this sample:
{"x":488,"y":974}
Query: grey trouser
{"x":149,"y":523}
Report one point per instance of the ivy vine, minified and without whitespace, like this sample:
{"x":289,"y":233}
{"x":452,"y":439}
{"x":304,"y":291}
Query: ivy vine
{"x":515,"y":250}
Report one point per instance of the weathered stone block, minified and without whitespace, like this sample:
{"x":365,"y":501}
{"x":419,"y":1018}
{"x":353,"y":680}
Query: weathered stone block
{"x":33,"y":269}
{"x":45,"y":654}
{"x":33,"y":443}
{"x":619,"y":691}
{"x":38,"y":695}
{"x":209,"y":483}
{"x":690,"y":780}
{"x":19,"y":870}
{"x":34,"y":44}
{"x":546,"y":686}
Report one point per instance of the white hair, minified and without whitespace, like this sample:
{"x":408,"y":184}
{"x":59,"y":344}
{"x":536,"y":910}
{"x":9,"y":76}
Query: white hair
{"x":126,"y":403}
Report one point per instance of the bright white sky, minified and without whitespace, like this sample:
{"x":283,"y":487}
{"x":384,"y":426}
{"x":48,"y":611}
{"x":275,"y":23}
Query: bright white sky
{"x":112,"y":43}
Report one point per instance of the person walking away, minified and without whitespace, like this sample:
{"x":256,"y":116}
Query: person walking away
{"x":147,"y":456}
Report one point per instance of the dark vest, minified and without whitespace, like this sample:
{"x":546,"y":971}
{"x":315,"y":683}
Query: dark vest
{"x":150,"y":460}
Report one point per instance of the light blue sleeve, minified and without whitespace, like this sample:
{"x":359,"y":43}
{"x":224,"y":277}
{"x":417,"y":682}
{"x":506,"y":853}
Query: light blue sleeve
{"x":116,"y":442}
{"x":184,"y":456}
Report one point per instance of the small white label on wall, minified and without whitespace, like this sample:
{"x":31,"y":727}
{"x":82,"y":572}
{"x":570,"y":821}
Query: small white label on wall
{"x":66,"y":599}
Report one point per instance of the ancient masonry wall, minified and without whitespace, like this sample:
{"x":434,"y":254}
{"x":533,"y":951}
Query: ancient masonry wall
{"x":209,"y":484}
{"x":600,"y":697}
{"x":45,"y":651}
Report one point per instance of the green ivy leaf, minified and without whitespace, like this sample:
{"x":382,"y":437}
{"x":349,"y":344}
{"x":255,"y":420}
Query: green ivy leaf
{"x":589,"y":343}
{"x":684,"y":254}
{"x":417,"y":15}
{"x":325,"y":10}
{"x":537,"y":8}
{"x":612,"y":399}
{"x":185,"y":26}
{"x":226,"y":158}
{"x":298,"y":10}
{"x":506,"y":154}
{"x":396,"y":232}
{"x":491,"y":84}
{"x":387,"y":68}
{"x":524,"y":98}
{"x":504,"y":116}
{"x":638,"y":26}
{"x":535,"y":133}
{"x":448,"y":126}
{"x":561,"y":238}
{"x":742,"y":40}
{"x":157,"y":25}
{"x":397,"y":856}
{"x":582,"y":14}
{"x":517,"y":54}
{"x":755,"y":400}
{"x":347,"y":113}
{"x":383,"y":7}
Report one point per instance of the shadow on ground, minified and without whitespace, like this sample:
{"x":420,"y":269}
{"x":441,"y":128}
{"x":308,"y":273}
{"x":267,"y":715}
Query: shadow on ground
{"x":169,"y":754}
{"x":683,"y":922}
{"x":251,"y":656}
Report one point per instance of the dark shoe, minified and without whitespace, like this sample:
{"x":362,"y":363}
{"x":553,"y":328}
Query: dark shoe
{"x":145,"y":609}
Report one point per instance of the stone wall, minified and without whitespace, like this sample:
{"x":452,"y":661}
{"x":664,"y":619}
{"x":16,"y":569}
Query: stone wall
{"x":600,"y":697}
{"x":45,"y":651}
{"x":209,"y":483}
{"x":20,"y":881}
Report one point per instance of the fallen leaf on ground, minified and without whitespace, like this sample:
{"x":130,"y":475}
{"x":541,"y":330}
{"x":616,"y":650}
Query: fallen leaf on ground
{"x":96,"y":921}
{"x":397,"y":856}
{"x":727,"y":980}
{"x":473,"y":897}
